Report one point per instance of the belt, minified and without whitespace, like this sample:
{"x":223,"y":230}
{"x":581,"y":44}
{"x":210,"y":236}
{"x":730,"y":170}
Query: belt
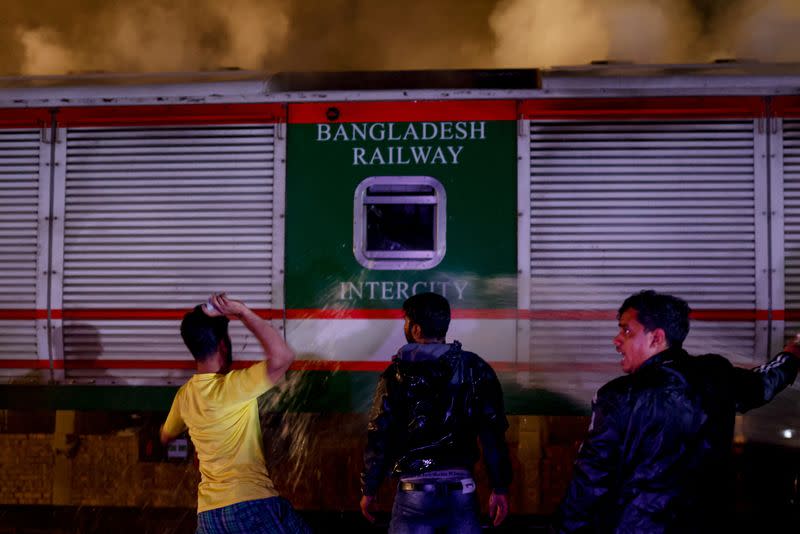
{"x":466,"y":485}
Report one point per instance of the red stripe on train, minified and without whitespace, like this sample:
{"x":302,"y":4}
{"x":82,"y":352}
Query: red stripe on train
{"x":393,"y":313}
{"x":390,"y":313}
{"x":23,"y":315}
{"x":188,"y":364}
{"x":30,"y":364}
{"x":681,"y":107}
{"x":133,"y":314}
{"x":405,"y":111}
{"x":786,"y":106}
{"x":301,"y":365}
{"x":25,"y":118}
{"x":169,"y":115}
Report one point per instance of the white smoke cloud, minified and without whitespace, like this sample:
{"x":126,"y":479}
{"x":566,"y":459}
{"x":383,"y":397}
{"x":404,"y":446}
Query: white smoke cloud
{"x":147,"y":38}
{"x":158,"y":37}
{"x":541,"y":33}
{"x":424,"y":35}
{"x":255,"y":30}
{"x":189,"y":35}
{"x":43,"y":52}
{"x":652,"y":31}
{"x":757,"y":29}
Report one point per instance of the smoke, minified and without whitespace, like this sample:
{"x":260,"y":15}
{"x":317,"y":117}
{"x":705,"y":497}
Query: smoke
{"x":187,"y":35}
{"x":533,"y":33}
{"x":146,"y":36}
{"x":255,"y":32}
{"x":61,"y":36}
{"x":539,"y":32}
{"x":758,"y":29}
{"x":388,"y":35}
{"x":545,"y":33}
{"x":42,"y":51}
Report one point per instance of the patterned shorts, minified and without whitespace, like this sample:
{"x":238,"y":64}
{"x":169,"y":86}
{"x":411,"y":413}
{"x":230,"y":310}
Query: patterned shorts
{"x":263,"y":516}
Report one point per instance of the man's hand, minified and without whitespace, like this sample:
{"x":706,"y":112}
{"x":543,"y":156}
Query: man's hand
{"x":498,"y":508}
{"x":278,"y":354}
{"x":793,"y":347}
{"x":367,"y":506}
{"x":224,"y":306}
{"x":164,"y":436}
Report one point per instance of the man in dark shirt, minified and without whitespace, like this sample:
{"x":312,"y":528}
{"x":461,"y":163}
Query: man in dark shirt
{"x":431,"y":406}
{"x":657,"y":455}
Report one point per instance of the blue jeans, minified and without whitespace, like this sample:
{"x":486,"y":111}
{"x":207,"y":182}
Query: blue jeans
{"x":262,"y":516}
{"x":429,"y":512}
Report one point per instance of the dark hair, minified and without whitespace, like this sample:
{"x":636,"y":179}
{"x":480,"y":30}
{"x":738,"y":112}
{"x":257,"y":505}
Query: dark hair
{"x":202,"y":333}
{"x":656,"y":310}
{"x":431,"y":312}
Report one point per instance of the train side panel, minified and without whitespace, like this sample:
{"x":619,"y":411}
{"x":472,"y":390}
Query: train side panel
{"x":357,"y":173}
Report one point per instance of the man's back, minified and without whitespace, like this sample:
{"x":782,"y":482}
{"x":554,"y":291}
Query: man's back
{"x":219,"y":408}
{"x":431,"y":406}
{"x":443,"y":407}
{"x":221,"y":413}
{"x":436,"y":400}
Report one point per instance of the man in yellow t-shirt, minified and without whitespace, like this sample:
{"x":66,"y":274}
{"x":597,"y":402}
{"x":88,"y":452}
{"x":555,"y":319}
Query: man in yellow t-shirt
{"x":219,"y":408}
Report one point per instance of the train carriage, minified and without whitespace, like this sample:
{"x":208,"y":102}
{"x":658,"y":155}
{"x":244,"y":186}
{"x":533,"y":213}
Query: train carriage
{"x":535,"y":200}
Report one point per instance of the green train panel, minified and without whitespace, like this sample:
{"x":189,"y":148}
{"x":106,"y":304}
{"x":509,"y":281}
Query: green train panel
{"x":389,"y":199}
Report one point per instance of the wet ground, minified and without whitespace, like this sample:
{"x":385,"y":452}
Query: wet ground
{"x":105,"y":520}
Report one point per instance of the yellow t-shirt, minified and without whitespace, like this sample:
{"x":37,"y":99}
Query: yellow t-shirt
{"x":221,"y":413}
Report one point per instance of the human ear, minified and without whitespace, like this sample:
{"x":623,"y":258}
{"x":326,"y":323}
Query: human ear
{"x":659,"y":337}
{"x":416,"y":332}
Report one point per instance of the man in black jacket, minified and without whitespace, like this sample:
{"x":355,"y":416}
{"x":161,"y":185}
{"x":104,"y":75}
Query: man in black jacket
{"x":657,"y":455}
{"x":431,"y":406}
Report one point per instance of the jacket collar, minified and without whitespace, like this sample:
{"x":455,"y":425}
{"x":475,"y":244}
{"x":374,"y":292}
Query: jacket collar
{"x":664,"y":357}
{"x":423,"y":352}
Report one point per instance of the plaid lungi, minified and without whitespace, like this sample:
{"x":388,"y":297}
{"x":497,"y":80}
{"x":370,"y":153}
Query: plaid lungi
{"x":274,"y":515}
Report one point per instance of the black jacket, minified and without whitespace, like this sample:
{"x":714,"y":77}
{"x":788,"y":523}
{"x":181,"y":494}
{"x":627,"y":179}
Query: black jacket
{"x":431,"y":405}
{"x":657,"y":455}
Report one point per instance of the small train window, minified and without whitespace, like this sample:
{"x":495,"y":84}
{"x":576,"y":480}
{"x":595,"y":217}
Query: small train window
{"x":399,"y":222}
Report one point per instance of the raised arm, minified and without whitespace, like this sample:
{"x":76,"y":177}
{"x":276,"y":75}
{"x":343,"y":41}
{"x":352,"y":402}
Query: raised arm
{"x":755,"y":387}
{"x":793,"y":347}
{"x":277,"y":353}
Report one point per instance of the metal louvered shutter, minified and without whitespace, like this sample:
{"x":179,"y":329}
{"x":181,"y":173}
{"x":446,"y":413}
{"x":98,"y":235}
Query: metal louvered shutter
{"x":791,"y":222}
{"x":159,"y":218}
{"x":19,"y":245}
{"x":621,"y":206}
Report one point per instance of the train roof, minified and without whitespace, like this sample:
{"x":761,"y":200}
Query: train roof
{"x":728,"y":76}
{"x":233,"y":86}
{"x":252,"y":86}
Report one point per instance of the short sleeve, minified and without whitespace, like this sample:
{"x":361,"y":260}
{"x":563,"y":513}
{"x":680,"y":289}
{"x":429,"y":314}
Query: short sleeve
{"x":243,"y":385}
{"x":175,"y":424}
